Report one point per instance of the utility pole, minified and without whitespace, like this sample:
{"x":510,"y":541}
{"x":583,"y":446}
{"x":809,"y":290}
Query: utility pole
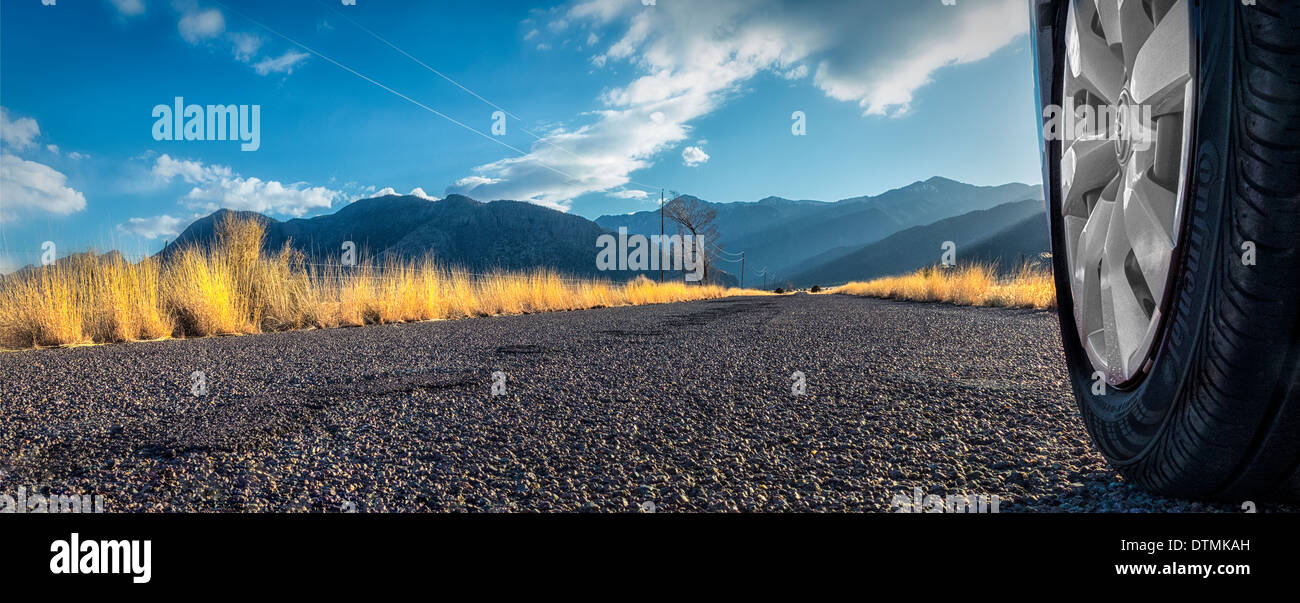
{"x":742,"y":270}
{"x":661,"y":236}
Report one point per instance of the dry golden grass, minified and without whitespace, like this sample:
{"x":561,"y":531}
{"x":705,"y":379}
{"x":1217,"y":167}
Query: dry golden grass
{"x":233,"y":287}
{"x":83,"y":299}
{"x":966,"y":285}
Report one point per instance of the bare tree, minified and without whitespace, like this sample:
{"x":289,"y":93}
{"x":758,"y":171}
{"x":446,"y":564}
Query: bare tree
{"x":696,"y":218}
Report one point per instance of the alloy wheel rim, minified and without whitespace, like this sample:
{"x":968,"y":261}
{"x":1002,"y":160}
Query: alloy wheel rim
{"x":1122,"y":185}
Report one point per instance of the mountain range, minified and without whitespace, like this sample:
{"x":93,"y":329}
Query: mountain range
{"x":457,"y":230}
{"x":1007,"y":234}
{"x":784,"y":235}
{"x":797,"y":241}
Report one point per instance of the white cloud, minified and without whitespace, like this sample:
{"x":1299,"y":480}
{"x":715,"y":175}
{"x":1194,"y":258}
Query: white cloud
{"x":34,"y":187}
{"x":285,"y":63}
{"x":155,"y":227}
{"x":27,"y":186}
{"x":601,"y":11}
{"x":199,"y":25}
{"x":193,"y":172}
{"x":630,"y":193}
{"x":692,"y":56}
{"x":475,"y":182}
{"x":217,"y":186}
{"x":386,"y":191}
{"x":693,"y":156}
{"x":19,"y":134}
{"x":245,"y":46}
{"x":129,"y":8}
{"x":923,"y":41}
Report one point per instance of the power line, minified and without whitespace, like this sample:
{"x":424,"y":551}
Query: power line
{"x":724,"y":251}
{"x":399,"y":94}
{"x":421,"y":63}
{"x":476,"y":95}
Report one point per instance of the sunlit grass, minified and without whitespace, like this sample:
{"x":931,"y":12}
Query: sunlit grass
{"x":233,"y":286}
{"x":965,"y":285}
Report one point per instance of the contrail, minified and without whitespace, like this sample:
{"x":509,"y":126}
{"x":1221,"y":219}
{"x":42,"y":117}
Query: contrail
{"x":399,"y":94}
{"x":467,"y":89}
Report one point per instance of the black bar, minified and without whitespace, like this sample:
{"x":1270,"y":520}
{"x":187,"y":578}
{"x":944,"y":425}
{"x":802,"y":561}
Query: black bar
{"x":924,"y":550}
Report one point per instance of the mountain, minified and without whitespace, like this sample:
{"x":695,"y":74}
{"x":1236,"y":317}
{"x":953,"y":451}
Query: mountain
{"x":1001,"y":233}
{"x":785,"y":235}
{"x":927,"y":202}
{"x":457,"y":230}
{"x":68,"y":261}
{"x":1023,"y":241}
{"x":736,"y":219}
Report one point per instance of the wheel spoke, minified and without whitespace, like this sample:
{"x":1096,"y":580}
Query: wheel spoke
{"x":1087,"y":276}
{"x":1125,"y":318}
{"x":1087,"y":165}
{"x":1108,"y":14}
{"x":1094,"y":67}
{"x":1092,"y":239}
{"x":1149,"y":223}
{"x":1135,"y":28}
{"x":1074,"y":226}
{"x":1163,"y":65}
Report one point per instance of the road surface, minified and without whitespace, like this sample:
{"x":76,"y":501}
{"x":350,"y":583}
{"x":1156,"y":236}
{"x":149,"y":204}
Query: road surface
{"x":675,"y":407}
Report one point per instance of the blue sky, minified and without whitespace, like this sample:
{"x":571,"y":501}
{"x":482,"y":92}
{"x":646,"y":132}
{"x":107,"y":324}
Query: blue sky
{"x":606,"y":100}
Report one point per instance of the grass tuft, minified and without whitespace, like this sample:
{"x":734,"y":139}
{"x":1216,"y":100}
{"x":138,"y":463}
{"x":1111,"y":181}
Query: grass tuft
{"x":232,"y":286}
{"x":967,"y":285}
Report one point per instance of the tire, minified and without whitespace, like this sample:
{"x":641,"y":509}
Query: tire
{"x":1215,"y":413}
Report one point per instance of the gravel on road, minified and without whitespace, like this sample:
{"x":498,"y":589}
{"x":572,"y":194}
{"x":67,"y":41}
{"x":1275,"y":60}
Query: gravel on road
{"x":674,"y":407}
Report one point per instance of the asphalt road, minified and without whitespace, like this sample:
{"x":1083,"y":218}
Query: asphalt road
{"x":687,"y":407}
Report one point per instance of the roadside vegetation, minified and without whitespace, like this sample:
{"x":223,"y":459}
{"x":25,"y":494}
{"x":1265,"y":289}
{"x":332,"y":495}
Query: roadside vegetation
{"x":234,"y":286}
{"x":1028,"y":286}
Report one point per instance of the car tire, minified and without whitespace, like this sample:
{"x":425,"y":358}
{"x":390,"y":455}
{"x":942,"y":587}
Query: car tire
{"x":1215,"y":412}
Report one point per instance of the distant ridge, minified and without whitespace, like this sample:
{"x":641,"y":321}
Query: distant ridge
{"x":816,"y":242}
{"x":1002,"y":234}
{"x":457,"y":230}
{"x":785,"y":235}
